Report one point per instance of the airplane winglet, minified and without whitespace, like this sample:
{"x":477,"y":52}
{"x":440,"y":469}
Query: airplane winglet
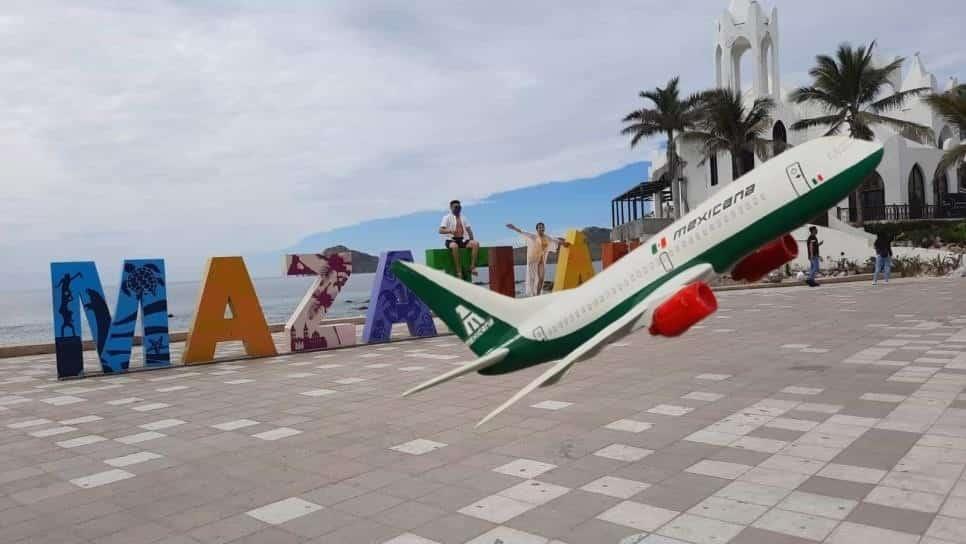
{"x":489,"y":359}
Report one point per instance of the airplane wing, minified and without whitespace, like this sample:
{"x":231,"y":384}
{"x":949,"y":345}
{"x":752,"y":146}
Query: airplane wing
{"x":620,"y":326}
{"x":489,"y":359}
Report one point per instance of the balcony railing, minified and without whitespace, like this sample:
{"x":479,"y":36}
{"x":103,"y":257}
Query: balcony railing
{"x":902,"y":212}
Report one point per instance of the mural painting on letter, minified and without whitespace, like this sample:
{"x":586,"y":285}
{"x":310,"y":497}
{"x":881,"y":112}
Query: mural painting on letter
{"x":304,"y":328}
{"x":77,"y":284}
{"x":392,"y":302}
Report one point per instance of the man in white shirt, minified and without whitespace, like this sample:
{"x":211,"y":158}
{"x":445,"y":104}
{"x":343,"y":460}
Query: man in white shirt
{"x":457,"y":233}
{"x":539,"y":247}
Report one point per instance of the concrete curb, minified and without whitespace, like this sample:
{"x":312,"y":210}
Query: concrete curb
{"x":175,"y":337}
{"x":839,"y":279}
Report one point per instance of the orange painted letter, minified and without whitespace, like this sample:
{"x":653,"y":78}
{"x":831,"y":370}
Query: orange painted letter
{"x":227,"y":283}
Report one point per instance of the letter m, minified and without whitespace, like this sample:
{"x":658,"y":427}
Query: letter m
{"x":76,"y":285}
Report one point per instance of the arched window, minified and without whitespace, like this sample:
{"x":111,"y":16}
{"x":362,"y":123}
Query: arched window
{"x":872,"y":199}
{"x":717,"y":67}
{"x":765,"y":65}
{"x":940,"y":187}
{"x":713,"y":161}
{"x":917,"y":193}
{"x":740,"y":64}
{"x":779,"y":138}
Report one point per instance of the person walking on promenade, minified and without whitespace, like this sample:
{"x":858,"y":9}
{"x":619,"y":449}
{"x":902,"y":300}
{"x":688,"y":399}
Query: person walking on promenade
{"x":813,"y":255}
{"x":883,"y":258}
{"x":539,"y":246}
{"x":457,"y":233}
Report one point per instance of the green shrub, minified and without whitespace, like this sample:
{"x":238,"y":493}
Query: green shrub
{"x":917,"y":231}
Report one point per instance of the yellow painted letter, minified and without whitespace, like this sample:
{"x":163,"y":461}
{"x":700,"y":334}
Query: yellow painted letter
{"x":227,"y":283}
{"x":574,"y":266}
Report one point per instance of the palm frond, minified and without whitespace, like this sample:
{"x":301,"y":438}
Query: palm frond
{"x":763,"y":148}
{"x":951,"y":106}
{"x":826,"y":120}
{"x":913,"y":131}
{"x":670,"y":114}
{"x":816,"y":95}
{"x":897,"y":100}
{"x":953,"y":157}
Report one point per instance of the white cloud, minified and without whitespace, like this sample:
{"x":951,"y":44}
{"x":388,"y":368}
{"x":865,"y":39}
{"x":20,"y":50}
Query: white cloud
{"x":187,"y":129}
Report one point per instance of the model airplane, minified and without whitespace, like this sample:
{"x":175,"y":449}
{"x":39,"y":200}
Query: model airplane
{"x":742,"y":229}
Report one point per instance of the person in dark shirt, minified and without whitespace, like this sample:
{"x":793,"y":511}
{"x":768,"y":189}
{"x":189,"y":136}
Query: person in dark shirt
{"x":813,"y":244}
{"x":883,"y":258}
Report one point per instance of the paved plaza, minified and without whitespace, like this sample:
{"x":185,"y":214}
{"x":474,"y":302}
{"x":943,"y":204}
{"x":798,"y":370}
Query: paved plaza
{"x":793,"y":415}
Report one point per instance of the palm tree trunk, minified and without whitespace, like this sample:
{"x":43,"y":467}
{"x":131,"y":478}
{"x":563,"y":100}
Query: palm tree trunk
{"x":859,"y":219}
{"x":672,"y":174}
{"x":736,"y":165}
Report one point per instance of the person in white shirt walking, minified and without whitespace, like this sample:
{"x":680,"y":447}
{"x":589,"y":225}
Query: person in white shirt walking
{"x":539,"y":247}
{"x":457,"y":233}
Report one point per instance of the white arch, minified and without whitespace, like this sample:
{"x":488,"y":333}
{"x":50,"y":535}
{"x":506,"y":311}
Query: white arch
{"x":738,"y":49}
{"x":717,"y":67}
{"x":766,"y":62}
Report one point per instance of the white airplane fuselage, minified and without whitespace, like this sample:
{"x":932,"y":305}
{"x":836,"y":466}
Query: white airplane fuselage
{"x":775,"y":198}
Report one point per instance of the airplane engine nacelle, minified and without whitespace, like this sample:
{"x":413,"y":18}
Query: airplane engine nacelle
{"x":767,"y":258}
{"x":685,"y":308}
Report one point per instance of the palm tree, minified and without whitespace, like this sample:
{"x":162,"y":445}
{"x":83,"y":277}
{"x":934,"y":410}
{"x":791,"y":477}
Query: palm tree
{"x":849,"y":88}
{"x":670,"y":116}
{"x":727,"y":124}
{"x":951,"y":105}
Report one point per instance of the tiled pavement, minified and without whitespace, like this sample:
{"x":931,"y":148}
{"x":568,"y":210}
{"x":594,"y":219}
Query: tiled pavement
{"x":796,"y":415}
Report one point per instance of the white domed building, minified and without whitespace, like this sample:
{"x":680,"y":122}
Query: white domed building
{"x":904,"y":187}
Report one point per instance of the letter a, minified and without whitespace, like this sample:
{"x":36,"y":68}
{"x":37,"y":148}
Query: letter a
{"x":227,"y":283}
{"x":574,"y":266}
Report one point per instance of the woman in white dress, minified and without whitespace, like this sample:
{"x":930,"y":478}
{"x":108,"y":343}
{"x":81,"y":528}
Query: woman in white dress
{"x":539,"y":246}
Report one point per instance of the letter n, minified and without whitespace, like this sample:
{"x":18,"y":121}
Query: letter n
{"x":392,"y":302}
{"x":142,"y":286}
{"x":304,"y":328}
{"x":226,"y":283}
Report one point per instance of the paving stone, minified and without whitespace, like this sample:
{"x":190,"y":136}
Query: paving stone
{"x":638,"y":515}
{"x":860,"y":438}
{"x":886,"y":517}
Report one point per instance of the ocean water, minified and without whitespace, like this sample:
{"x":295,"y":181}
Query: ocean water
{"x":26,"y":317}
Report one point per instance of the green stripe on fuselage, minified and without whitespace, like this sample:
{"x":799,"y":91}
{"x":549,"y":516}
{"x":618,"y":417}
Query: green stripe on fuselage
{"x":525,"y":352}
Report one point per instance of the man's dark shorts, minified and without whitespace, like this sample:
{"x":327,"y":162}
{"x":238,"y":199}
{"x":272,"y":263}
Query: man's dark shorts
{"x":460,"y":242}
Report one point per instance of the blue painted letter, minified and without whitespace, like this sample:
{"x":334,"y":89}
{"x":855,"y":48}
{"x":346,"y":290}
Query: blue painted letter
{"x":142,"y":285}
{"x":392,"y":302}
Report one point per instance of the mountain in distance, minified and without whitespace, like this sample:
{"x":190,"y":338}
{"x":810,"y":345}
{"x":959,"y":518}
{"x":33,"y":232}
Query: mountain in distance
{"x":595,"y":237}
{"x":562,"y":205}
{"x":364,"y":263}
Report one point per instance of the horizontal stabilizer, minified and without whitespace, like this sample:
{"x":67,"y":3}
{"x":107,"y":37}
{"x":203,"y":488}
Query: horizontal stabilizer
{"x":489,"y":359}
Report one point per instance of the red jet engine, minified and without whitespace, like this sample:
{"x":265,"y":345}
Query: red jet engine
{"x":685,"y":308}
{"x":767,"y":258}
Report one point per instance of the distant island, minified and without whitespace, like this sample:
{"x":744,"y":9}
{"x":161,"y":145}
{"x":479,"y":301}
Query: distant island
{"x":364,"y":263}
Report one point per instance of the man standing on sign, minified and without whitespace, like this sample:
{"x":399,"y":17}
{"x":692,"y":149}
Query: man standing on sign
{"x":539,"y":246}
{"x":457,"y":233}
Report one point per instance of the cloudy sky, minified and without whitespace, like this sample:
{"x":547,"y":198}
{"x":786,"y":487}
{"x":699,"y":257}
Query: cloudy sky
{"x":183,"y":129}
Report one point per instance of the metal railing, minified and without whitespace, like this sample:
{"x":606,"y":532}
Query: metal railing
{"x":901,"y":212}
